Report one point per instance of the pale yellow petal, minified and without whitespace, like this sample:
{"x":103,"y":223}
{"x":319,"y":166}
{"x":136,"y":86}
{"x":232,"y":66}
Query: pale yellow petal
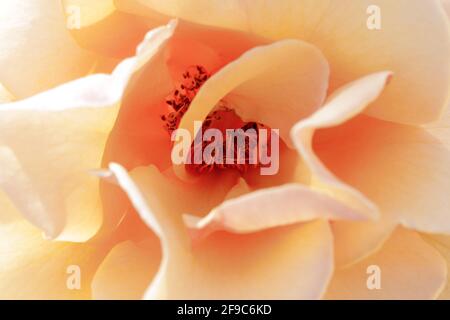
{"x":414,"y":43}
{"x":5,"y":95}
{"x":34,"y":268}
{"x":88,"y":12}
{"x":52,"y":141}
{"x":37,"y":52}
{"x":99,"y":27}
{"x":126,"y":271}
{"x":408,"y":268}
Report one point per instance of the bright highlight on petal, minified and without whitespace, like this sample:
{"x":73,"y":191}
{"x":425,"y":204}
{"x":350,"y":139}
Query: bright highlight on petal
{"x":37,"y":52}
{"x":269,"y":208}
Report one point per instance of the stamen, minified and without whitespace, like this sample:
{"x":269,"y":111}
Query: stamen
{"x":181,"y":98}
{"x":222,"y":118}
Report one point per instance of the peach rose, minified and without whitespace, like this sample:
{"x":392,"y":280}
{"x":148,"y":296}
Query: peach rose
{"x":94,"y":207}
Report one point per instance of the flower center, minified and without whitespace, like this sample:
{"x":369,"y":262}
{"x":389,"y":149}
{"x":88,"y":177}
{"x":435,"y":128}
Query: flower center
{"x":236,"y":156}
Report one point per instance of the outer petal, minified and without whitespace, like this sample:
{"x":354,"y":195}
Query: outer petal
{"x":36,"y":50}
{"x":34,"y":268}
{"x":52,"y":141}
{"x":410,"y":269}
{"x":126,"y":271}
{"x":261,"y":265}
{"x":106,"y":31}
{"x":339,"y":29}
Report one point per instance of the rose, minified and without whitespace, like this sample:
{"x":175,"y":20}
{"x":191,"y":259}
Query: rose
{"x":359,"y":178}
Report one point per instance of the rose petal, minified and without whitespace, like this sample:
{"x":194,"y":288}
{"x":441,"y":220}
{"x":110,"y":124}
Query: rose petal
{"x":106,"y":31}
{"x":34,"y":268}
{"x":409,"y":269}
{"x":90,"y":12}
{"x":342,"y":105}
{"x":355,"y":240}
{"x":340,"y":29}
{"x":277,"y":85}
{"x":139,"y":137}
{"x":5,"y":95}
{"x":126,"y":271}
{"x":291,"y":262}
{"x":446,"y":6}
{"x":52,"y":140}
{"x":36,"y":50}
{"x":268,"y":208}
{"x":403,"y":170}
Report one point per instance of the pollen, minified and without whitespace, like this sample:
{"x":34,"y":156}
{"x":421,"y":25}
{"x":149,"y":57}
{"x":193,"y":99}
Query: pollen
{"x":221,"y":117}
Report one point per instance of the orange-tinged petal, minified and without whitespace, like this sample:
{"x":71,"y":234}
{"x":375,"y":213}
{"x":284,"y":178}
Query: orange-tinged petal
{"x":408,"y":268}
{"x":341,"y":106}
{"x":402,"y":169}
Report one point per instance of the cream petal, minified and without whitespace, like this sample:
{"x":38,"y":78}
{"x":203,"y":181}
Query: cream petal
{"x":105,"y":30}
{"x":8,"y":212}
{"x":292,"y":262}
{"x":52,"y":140}
{"x":126,"y":271}
{"x":341,"y":106}
{"x":409,"y":269}
{"x":5,"y":95}
{"x":89,"y":12}
{"x":34,"y":268}
{"x":269,"y":208}
{"x":37,"y":52}
{"x":340,"y":29}
{"x":446,"y":6}
{"x":276,"y":84}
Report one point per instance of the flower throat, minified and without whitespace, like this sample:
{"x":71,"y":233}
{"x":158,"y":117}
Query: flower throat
{"x":221,"y":118}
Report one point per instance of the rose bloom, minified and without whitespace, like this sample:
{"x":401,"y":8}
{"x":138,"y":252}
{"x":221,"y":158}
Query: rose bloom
{"x":93,"y":207}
